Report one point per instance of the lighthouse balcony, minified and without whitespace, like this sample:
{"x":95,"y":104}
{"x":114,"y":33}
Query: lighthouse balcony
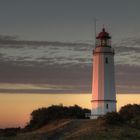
{"x":100,"y":49}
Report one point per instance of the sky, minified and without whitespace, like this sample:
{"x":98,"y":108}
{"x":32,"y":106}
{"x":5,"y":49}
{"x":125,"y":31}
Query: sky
{"x":46,"y":45}
{"x":68,"y":20}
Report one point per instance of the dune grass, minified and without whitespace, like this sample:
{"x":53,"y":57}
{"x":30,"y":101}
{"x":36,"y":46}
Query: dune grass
{"x":80,"y":130}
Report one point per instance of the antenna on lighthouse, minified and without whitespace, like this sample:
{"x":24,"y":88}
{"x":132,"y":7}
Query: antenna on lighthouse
{"x":95,"y":22}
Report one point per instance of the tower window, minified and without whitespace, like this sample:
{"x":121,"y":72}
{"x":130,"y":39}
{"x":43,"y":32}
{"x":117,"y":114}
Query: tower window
{"x":106,"y":60}
{"x":106,"y":106}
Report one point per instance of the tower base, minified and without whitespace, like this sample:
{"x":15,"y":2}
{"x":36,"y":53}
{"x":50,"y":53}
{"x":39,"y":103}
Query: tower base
{"x":95,"y":116}
{"x":101,"y":107}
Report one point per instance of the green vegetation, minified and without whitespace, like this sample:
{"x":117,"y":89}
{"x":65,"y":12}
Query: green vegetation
{"x":128,"y":115}
{"x":9,"y":132}
{"x":112,"y":118}
{"x":43,"y":116}
{"x":131,"y":114}
{"x":130,"y":111}
{"x":59,"y":122}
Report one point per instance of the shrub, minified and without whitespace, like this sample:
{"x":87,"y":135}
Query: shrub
{"x":112,"y":118}
{"x":129,"y":111}
{"x":11,"y":132}
{"x":135,"y":122}
{"x":43,"y":116}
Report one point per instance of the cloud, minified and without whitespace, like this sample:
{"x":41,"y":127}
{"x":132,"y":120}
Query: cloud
{"x":13,"y":41}
{"x":62,"y":63}
{"x":39,"y":88}
{"x":73,"y":78}
{"x":7,"y":38}
{"x":128,"y":89}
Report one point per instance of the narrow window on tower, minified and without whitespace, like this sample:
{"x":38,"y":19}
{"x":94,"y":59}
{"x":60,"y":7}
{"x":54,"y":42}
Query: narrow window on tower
{"x":106,"y":60}
{"x":106,"y":106}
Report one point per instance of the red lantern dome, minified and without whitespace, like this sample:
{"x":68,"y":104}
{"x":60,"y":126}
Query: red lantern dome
{"x":103,"y":35}
{"x":103,"y":39}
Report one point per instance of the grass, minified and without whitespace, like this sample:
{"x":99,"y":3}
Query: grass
{"x":80,"y":130}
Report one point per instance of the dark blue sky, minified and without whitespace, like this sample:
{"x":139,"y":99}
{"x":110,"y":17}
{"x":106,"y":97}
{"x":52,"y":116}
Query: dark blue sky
{"x":68,"y":20}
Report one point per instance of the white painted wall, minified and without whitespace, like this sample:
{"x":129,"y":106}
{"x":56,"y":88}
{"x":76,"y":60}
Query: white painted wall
{"x":103,"y":86}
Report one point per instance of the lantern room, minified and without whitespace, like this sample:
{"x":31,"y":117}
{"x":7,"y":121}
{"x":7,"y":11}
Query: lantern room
{"x":103,"y":39}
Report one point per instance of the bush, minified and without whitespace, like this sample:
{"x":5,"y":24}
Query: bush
{"x":128,"y":112}
{"x":10,"y":132}
{"x":113,"y":118}
{"x":43,"y":116}
{"x":135,"y":122}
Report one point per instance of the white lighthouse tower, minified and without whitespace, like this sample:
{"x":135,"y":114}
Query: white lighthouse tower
{"x":103,"y":86}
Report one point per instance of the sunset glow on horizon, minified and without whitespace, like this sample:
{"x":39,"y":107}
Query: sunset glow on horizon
{"x":15,"y":109}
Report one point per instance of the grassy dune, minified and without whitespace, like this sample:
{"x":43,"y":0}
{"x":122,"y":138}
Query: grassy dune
{"x":80,"y":130}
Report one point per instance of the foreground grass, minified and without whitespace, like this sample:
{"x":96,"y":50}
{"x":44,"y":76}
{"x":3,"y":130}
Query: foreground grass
{"x":119,"y":133}
{"x":79,"y":130}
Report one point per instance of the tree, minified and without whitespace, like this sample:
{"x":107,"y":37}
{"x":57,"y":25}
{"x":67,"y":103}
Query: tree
{"x":43,"y":116}
{"x":128,"y":112}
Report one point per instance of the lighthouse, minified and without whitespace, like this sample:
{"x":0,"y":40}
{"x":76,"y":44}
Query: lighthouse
{"x":103,"y":84}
